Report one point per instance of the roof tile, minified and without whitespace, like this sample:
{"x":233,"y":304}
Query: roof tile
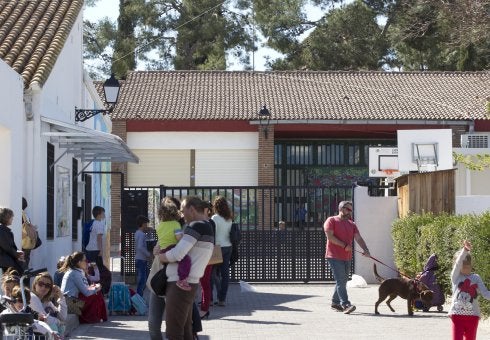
{"x":32,"y":34}
{"x":293,"y":95}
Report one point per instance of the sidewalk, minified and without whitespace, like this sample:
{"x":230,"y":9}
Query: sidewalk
{"x":295,"y":311}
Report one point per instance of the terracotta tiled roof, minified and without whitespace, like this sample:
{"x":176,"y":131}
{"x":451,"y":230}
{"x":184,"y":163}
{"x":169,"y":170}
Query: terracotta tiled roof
{"x":32,"y":34}
{"x":221,"y":95}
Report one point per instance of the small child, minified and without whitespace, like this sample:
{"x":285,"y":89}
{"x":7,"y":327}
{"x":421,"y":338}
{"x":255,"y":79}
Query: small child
{"x":465,"y":310}
{"x":169,"y":232}
{"x":141,"y":253}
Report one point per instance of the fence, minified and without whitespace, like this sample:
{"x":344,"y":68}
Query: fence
{"x":267,"y":254}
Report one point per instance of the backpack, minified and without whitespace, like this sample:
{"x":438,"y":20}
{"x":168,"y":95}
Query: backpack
{"x":235,"y":233}
{"x":87,"y":229}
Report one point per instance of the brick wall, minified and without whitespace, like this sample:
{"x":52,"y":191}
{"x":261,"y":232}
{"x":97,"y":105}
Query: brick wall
{"x":265,"y":170}
{"x":458,"y":130}
{"x":118,"y":129}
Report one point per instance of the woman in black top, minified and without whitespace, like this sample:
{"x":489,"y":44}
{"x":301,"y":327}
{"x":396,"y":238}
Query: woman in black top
{"x":10,"y":257}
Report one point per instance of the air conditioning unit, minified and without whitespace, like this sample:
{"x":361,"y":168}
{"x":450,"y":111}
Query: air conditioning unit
{"x":475,"y":140}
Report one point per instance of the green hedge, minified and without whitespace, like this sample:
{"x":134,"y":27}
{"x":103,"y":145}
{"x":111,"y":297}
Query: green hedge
{"x":416,"y":237}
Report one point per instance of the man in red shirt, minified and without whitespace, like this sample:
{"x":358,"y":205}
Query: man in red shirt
{"x":341,"y":232}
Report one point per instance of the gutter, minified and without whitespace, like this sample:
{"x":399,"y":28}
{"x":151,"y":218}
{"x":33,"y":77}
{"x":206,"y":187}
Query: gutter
{"x":365,"y":122}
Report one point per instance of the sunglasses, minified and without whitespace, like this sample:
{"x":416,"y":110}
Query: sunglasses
{"x":44,"y":284}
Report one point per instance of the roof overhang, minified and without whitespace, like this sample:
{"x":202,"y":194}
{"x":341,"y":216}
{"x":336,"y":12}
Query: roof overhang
{"x":88,"y":145}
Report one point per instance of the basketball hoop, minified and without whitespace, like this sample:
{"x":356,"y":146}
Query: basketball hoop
{"x":390,"y":175}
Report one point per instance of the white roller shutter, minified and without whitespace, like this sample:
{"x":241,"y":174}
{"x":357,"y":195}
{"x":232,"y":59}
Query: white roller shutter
{"x":167,"y":167}
{"x":226,"y":167}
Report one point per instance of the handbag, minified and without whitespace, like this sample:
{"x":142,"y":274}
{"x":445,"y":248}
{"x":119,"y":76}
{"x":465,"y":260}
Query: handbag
{"x":38,"y":241}
{"x":217,"y":256}
{"x":156,"y":267}
{"x":159,"y":281}
{"x":29,"y":234}
{"x":74,"y":305}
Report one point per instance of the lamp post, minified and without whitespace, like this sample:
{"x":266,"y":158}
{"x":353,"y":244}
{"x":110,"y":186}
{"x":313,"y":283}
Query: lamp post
{"x":264,"y":120}
{"x":111,"y":94}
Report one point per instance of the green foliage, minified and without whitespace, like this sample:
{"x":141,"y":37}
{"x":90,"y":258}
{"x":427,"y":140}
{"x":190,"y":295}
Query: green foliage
{"x":417,"y":236}
{"x":477,"y":162}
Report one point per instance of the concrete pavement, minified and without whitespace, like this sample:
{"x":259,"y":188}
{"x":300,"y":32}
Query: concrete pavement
{"x":295,"y":311}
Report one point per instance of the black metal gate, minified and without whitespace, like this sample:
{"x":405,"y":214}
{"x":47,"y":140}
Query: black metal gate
{"x":267,"y":254}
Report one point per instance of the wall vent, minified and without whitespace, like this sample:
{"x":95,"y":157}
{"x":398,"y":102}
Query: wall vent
{"x":475,"y":140}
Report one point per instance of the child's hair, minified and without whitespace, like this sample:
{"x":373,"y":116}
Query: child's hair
{"x":140,"y":220}
{"x":168,"y":211}
{"x":61,"y":262}
{"x":96,"y":211}
{"x":72,"y":261}
{"x":466,"y":260}
{"x":17,"y":295}
{"x":10,"y":275}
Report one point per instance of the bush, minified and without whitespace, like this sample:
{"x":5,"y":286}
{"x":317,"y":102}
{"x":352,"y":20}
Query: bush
{"x":417,"y":236}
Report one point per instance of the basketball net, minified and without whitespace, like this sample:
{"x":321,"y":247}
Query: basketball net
{"x":390,"y":175}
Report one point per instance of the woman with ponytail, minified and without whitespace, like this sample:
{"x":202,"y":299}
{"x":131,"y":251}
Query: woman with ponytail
{"x":75,"y":285}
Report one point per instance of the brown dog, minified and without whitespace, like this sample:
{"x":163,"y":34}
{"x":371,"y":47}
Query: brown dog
{"x":404,"y":288}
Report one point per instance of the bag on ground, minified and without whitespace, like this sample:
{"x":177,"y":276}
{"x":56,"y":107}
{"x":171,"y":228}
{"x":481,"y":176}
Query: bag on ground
{"x":139,"y":304}
{"x":119,"y":298}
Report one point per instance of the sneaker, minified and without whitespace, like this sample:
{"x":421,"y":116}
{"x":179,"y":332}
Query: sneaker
{"x":337,"y":307}
{"x":221,"y":303}
{"x":349,"y":309}
{"x":184,"y":285}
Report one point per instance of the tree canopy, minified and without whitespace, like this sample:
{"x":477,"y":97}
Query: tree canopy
{"x":347,"y":35}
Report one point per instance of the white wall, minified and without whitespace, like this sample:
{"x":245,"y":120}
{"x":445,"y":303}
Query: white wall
{"x":475,"y":204}
{"x":57,"y":99}
{"x":12,"y":132}
{"x":374,"y":217}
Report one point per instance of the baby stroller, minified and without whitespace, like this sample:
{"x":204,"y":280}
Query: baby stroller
{"x":429,"y":278}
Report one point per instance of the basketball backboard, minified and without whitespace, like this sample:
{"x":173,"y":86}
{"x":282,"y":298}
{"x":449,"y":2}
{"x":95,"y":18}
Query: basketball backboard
{"x":382,"y":159}
{"x":425,"y":150}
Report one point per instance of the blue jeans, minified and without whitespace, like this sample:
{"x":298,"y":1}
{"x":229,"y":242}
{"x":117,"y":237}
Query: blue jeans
{"x":340,"y":270}
{"x":141,"y":275}
{"x":224,"y":269}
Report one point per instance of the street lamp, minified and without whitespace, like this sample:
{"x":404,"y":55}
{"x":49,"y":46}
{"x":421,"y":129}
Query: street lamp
{"x":111,"y":94}
{"x":264,"y":120}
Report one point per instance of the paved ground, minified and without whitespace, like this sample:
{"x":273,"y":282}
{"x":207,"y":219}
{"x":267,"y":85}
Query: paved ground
{"x":296,"y":311}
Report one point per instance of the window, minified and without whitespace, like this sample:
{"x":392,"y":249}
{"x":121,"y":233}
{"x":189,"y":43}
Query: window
{"x":50,"y":192}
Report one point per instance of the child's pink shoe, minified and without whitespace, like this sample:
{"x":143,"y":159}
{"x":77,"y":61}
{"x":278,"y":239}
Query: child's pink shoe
{"x":184,"y":285}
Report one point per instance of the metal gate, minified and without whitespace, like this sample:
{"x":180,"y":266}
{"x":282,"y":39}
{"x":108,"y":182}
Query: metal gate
{"x":267,"y":254}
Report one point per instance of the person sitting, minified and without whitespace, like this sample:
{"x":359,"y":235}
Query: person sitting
{"x":43,"y":291}
{"x":58,"y":274}
{"x":17,"y":306}
{"x":75,"y":285}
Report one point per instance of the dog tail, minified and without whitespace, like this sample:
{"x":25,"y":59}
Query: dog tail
{"x":376,"y":275}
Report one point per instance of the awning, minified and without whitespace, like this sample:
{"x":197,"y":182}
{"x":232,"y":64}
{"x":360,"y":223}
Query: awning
{"x":88,"y":145}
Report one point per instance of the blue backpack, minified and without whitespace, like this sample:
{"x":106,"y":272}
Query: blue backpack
{"x":87,"y":229}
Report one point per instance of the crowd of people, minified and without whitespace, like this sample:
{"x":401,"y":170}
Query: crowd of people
{"x":74,"y":288}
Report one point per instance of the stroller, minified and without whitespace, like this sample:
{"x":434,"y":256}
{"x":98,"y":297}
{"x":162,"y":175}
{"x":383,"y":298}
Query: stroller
{"x":429,"y":278}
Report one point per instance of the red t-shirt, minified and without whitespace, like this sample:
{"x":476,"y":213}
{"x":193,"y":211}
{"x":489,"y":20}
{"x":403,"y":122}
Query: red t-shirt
{"x":344,"y":230}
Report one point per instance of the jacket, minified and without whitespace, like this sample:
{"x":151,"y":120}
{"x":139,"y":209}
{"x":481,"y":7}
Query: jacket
{"x":8,"y":250}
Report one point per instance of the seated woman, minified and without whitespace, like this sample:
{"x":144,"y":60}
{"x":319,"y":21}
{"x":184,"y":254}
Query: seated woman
{"x":17,"y":305}
{"x":58,"y":274}
{"x":42,"y":293}
{"x":75,"y":285}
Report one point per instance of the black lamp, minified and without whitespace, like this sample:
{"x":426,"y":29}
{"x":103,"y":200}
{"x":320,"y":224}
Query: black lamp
{"x":111,"y":94}
{"x":264,"y":120}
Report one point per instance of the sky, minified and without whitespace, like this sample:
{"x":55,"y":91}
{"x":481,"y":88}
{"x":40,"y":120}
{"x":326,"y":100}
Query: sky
{"x":110,"y":9}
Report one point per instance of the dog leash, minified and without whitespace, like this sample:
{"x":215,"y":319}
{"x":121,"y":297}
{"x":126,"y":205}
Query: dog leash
{"x":384,"y":264}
